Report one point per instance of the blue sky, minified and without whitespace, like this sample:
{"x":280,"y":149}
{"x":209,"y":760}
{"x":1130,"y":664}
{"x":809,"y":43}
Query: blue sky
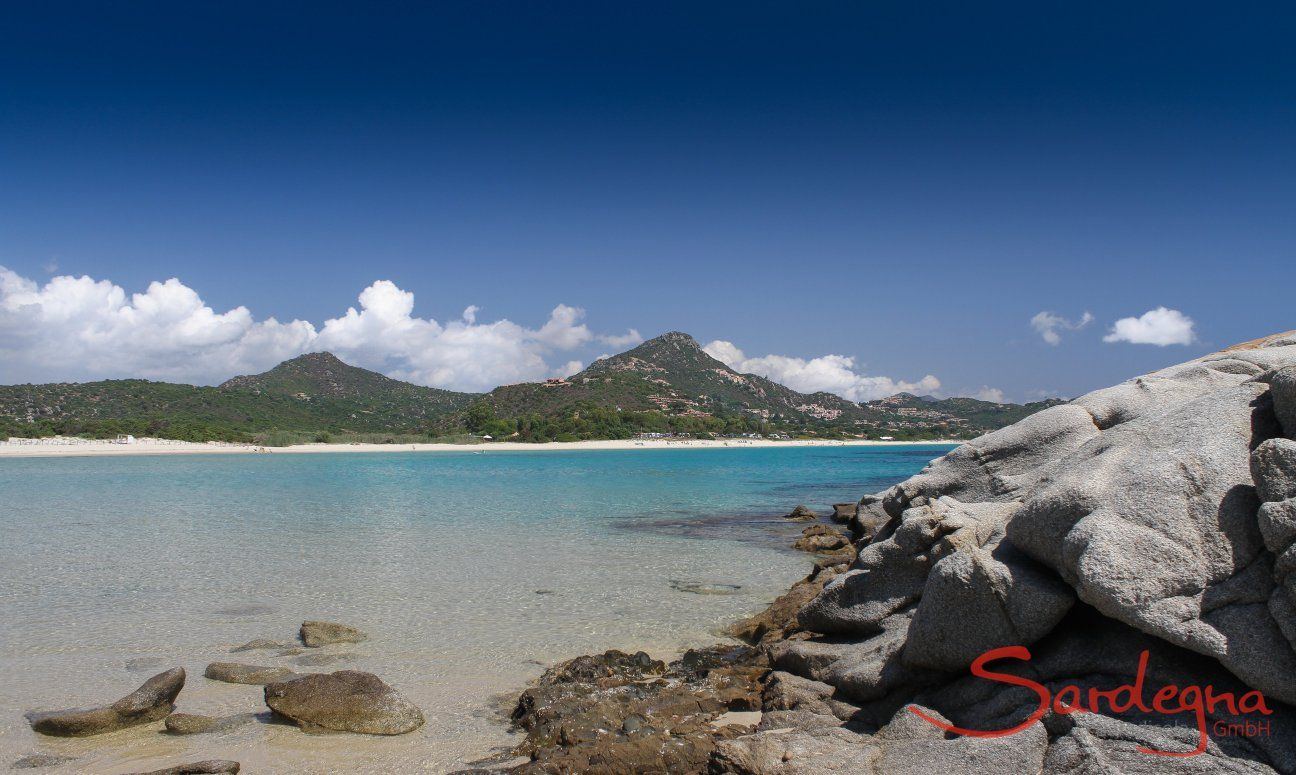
{"x":904,"y":185}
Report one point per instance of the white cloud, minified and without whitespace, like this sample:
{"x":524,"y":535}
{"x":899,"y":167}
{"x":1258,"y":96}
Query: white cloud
{"x":830,"y":373}
{"x":1049,"y":324}
{"x":629,"y":339}
{"x":1159,"y":326}
{"x":567,"y":369}
{"x":987,"y":393}
{"x":78,"y":328}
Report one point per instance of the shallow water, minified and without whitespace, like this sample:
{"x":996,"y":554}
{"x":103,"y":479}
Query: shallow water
{"x":468,"y":571}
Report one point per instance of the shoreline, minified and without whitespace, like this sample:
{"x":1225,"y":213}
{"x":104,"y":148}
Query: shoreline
{"x":76,"y":447}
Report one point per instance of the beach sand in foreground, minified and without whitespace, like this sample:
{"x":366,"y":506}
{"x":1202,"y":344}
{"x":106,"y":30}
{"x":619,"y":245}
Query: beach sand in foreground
{"x":71,"y":447}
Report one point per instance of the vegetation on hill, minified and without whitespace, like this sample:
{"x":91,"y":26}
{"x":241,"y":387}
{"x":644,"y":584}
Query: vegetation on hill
{"x":667,"y":385}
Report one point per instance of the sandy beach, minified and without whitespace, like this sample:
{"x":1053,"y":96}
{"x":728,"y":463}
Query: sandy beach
{"x":77,"y":447}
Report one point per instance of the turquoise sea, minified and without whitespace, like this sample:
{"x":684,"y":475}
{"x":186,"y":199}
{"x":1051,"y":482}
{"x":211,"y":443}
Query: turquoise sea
{"x":470,"y":571}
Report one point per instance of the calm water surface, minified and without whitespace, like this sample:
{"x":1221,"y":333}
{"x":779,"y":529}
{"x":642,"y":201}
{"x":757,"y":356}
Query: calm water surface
{"x":468,"y":571}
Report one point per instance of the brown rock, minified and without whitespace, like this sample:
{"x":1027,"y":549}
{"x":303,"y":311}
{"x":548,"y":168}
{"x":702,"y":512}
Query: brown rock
{"x":843,"y":513}
{"x":256,"y":675}
{"x":801,"y":513}
{"x":345,"y":701}
{"x":153,"y":701}
{"x":315,"y":634}
{"x":780,"y":618}
{"x":821,"y":538}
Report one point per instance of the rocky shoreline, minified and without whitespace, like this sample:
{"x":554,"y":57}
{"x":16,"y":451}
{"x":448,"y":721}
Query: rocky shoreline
{"x":1134,"y":547}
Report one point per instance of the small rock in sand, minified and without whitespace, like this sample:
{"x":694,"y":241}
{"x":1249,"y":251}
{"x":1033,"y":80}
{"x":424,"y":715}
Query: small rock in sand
{"x":235,"y":673}
{"x":315,"y":634}
{"x":153,"y":701}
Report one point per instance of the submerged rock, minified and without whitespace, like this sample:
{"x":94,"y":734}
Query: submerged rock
{"x":209,"y":767}
{"x":345,"y":701}
{"x":705,"y":587}
{"x":318,"y":660}
{"x":144,"y":664}
{"x":153,"y":701}
{"x":256,"y":675}
{"x":196,"y":724}
{"x":315,"y":634}
{"x":260,"y":644}
{"x":39,"y":760}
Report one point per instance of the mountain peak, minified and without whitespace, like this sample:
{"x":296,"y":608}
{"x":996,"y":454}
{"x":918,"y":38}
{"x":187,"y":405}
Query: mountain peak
{"x":322,"y":358}
{"x":675,"y":337}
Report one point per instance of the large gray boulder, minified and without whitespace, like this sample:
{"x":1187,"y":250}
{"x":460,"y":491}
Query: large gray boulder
{"x":153,"y":701}
{"x":345,"y":701}
{"x":1161,"y":512}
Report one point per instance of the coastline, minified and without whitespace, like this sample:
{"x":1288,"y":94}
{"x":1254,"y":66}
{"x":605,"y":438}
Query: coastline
{"x":74,"y":447}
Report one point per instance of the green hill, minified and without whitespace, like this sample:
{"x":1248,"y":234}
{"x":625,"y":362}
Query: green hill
{"x":671,"y":374}
{"x":670,"y":384}
{"x":665,"y":385}
{"x":310,"y":394}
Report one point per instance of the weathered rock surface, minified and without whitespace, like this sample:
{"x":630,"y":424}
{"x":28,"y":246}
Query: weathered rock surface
{"x":208,"y":767}
{"x":153,"y":701}
{"x":256,"y":675}
{"x":779,"y":620}
{"x":1283,"y":385}
{"x":315,"y":634}
{"x":345,"y":701}
{"x":843,"y":513}
{"x":822,"y":538}
{"x":801,"y":512}
{"x":621,"y":713}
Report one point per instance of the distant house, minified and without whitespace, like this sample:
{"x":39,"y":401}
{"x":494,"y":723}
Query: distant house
{"x":888,"y":438}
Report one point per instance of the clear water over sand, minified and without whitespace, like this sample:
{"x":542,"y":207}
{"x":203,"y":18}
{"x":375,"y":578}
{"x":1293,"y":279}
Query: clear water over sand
{"x":468,"y":571}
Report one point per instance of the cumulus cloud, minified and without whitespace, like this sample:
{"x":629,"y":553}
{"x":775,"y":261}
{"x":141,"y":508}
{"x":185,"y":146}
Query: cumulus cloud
{"x":829,"y":373}
{"x":629,"y":339}
{"x":1049,"y":325}
{"x":987,"y":393}
{"x":1160,"y":326}
{"x":76,"y":328}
